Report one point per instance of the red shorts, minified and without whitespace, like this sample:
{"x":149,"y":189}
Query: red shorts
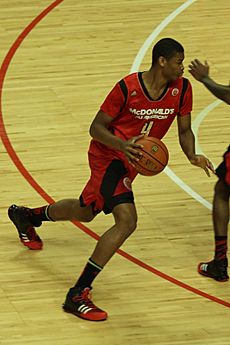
{"x":109,"y":184}
{"x":223,"y":170}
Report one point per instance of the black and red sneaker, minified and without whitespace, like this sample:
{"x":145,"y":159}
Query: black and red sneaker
{"x":216,"y":269}
{"x":78,"y":302}
{"x":20,"y":216}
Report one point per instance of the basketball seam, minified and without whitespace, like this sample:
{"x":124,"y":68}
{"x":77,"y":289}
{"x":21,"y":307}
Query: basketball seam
{"x":153,"y":157}
{"x":151,"y":171}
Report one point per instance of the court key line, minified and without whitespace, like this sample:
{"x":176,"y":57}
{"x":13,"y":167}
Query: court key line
{"x":200,"y":118}
{"x":21,"y":168}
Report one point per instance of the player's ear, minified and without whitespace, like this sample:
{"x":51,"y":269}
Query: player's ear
{"x":162,"y":61}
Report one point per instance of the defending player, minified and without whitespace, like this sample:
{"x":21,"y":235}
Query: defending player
{"x":217,"y":268}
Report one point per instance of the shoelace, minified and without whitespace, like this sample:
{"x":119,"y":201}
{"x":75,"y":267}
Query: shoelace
{"x":85,"y":297}
{"x":32,"y":218}
{"x":32,"y":235}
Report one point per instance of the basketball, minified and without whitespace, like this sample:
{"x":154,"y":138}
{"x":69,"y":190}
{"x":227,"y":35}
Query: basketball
{"x":154,"y":156}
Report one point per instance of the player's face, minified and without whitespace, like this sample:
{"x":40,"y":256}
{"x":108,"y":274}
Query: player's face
{"x":173,"y":67}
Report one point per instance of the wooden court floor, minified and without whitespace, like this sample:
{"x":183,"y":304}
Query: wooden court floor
{"x":55,"y":74}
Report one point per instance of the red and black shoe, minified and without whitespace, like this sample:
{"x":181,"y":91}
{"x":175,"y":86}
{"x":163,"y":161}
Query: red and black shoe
{"x":78,"y":302}
{"x":216,"y":269}
{"x":20,"y":216}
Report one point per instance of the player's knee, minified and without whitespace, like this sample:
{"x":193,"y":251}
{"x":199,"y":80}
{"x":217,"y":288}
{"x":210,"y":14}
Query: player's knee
{"x":83,"y":214}
{"x":125,"y":219}
{"x":86,"y":218}
{"x":129,"y":226}
{"x":127,"y":223}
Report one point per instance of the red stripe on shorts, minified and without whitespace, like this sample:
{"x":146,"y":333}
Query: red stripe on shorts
{"x":227,"y":161}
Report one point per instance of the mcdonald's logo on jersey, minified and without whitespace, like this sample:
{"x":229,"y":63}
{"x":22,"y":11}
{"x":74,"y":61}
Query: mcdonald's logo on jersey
{"x":159,"y":113}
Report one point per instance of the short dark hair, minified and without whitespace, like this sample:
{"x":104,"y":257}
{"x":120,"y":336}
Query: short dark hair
{"x":166,"y":47}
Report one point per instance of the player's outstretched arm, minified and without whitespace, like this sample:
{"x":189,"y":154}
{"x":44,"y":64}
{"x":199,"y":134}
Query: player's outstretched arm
{"x":201,"y":73}
{"x":187,"y":143}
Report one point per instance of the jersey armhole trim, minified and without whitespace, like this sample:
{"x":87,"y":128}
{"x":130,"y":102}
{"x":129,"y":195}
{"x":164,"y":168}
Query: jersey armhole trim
{"x":184,"y":89}
{"x":124,"y":90}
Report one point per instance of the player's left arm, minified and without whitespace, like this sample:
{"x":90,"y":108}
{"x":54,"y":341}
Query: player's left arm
{"x":187,"y":143}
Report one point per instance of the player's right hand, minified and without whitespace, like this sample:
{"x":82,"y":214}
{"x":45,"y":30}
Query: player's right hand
{"x":129,"y":149}
{"x":204,"y":163}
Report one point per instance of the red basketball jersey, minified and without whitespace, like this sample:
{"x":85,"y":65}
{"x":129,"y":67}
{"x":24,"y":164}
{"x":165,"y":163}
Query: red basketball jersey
{"x":134,"y":112}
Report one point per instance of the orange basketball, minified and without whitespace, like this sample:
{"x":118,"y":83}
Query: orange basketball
{"x":154,"y":156}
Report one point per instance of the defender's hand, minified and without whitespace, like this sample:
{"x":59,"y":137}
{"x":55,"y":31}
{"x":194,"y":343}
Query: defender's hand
{"x":198,"y":70}
{"x":202,"y":162}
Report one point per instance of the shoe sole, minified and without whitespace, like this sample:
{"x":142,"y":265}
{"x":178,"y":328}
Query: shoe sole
{"x":32,"y":245}
{"x":81,"y":316}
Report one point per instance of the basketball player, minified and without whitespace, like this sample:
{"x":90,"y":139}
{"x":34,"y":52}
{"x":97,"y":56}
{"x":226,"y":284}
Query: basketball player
{"x":217,"y":268}
{"x":144,"y":103}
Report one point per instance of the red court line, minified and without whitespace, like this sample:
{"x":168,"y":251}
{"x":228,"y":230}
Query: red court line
{"x":21,"y":168}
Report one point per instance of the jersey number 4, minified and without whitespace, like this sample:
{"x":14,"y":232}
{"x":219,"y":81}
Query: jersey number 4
{"x":147,"y":128}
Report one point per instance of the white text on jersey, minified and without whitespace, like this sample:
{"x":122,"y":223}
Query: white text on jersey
{"x":160,"y":113}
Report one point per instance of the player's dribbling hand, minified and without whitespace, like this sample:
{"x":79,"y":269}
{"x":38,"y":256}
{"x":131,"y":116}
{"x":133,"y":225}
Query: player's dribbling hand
{"x":198,"y":70}
{"x":129,"y":149}
{"x":203,"y":162}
